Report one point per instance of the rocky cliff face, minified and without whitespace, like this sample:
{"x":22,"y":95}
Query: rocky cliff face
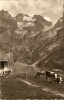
{"x":30,"y":36}
{"x":7,"y":27}
{"x":29,"y":39}
{"x":55,"y":57}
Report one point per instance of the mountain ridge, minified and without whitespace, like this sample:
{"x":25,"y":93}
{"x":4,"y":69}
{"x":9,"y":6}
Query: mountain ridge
{"x":29,"y":39}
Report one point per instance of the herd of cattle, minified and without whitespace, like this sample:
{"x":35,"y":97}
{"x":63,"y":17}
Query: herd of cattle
{"x":49,"y":75}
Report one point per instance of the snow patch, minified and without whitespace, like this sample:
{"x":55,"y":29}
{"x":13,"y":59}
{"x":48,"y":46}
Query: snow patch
{"x":47,"y":18}
{"x":19,"y":24}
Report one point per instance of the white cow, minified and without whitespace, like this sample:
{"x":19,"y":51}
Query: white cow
{"x":6,"y":72}
{"x":1,"y":72}
{"x":58,"y":79}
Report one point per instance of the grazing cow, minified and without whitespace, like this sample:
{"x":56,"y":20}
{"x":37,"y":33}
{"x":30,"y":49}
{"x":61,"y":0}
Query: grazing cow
{"x":58,"y":79}
{"x":49,"y":75}
{"x":55,"y":78}
{"x":38,"y":74}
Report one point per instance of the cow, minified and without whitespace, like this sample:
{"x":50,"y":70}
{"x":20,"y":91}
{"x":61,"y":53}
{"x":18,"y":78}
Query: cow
{"x":1,"y":72}
{"x":6,"y":72}
{"x":39,"y":73}
{"x":50,"y":76}
{"x":53,"y":77}
{"x":58,"y":79}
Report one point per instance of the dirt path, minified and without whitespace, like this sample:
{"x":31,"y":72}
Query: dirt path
{"x":28,"y":83}
{"x":44,"y":88}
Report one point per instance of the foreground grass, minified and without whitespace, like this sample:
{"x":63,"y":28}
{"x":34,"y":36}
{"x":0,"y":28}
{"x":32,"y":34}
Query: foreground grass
{"x":15,"y":89}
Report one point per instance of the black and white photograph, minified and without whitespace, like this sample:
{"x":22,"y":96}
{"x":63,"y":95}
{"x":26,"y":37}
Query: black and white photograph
{"x":31,"y":49}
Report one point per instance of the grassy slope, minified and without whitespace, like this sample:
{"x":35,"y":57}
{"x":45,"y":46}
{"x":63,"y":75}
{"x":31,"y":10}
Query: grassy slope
{"x":14,"y":89}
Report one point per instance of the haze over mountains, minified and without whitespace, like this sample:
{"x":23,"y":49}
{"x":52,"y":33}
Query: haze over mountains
{"x":31,"y":39}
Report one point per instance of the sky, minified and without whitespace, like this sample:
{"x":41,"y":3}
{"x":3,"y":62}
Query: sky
{"x":51,"y":10}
